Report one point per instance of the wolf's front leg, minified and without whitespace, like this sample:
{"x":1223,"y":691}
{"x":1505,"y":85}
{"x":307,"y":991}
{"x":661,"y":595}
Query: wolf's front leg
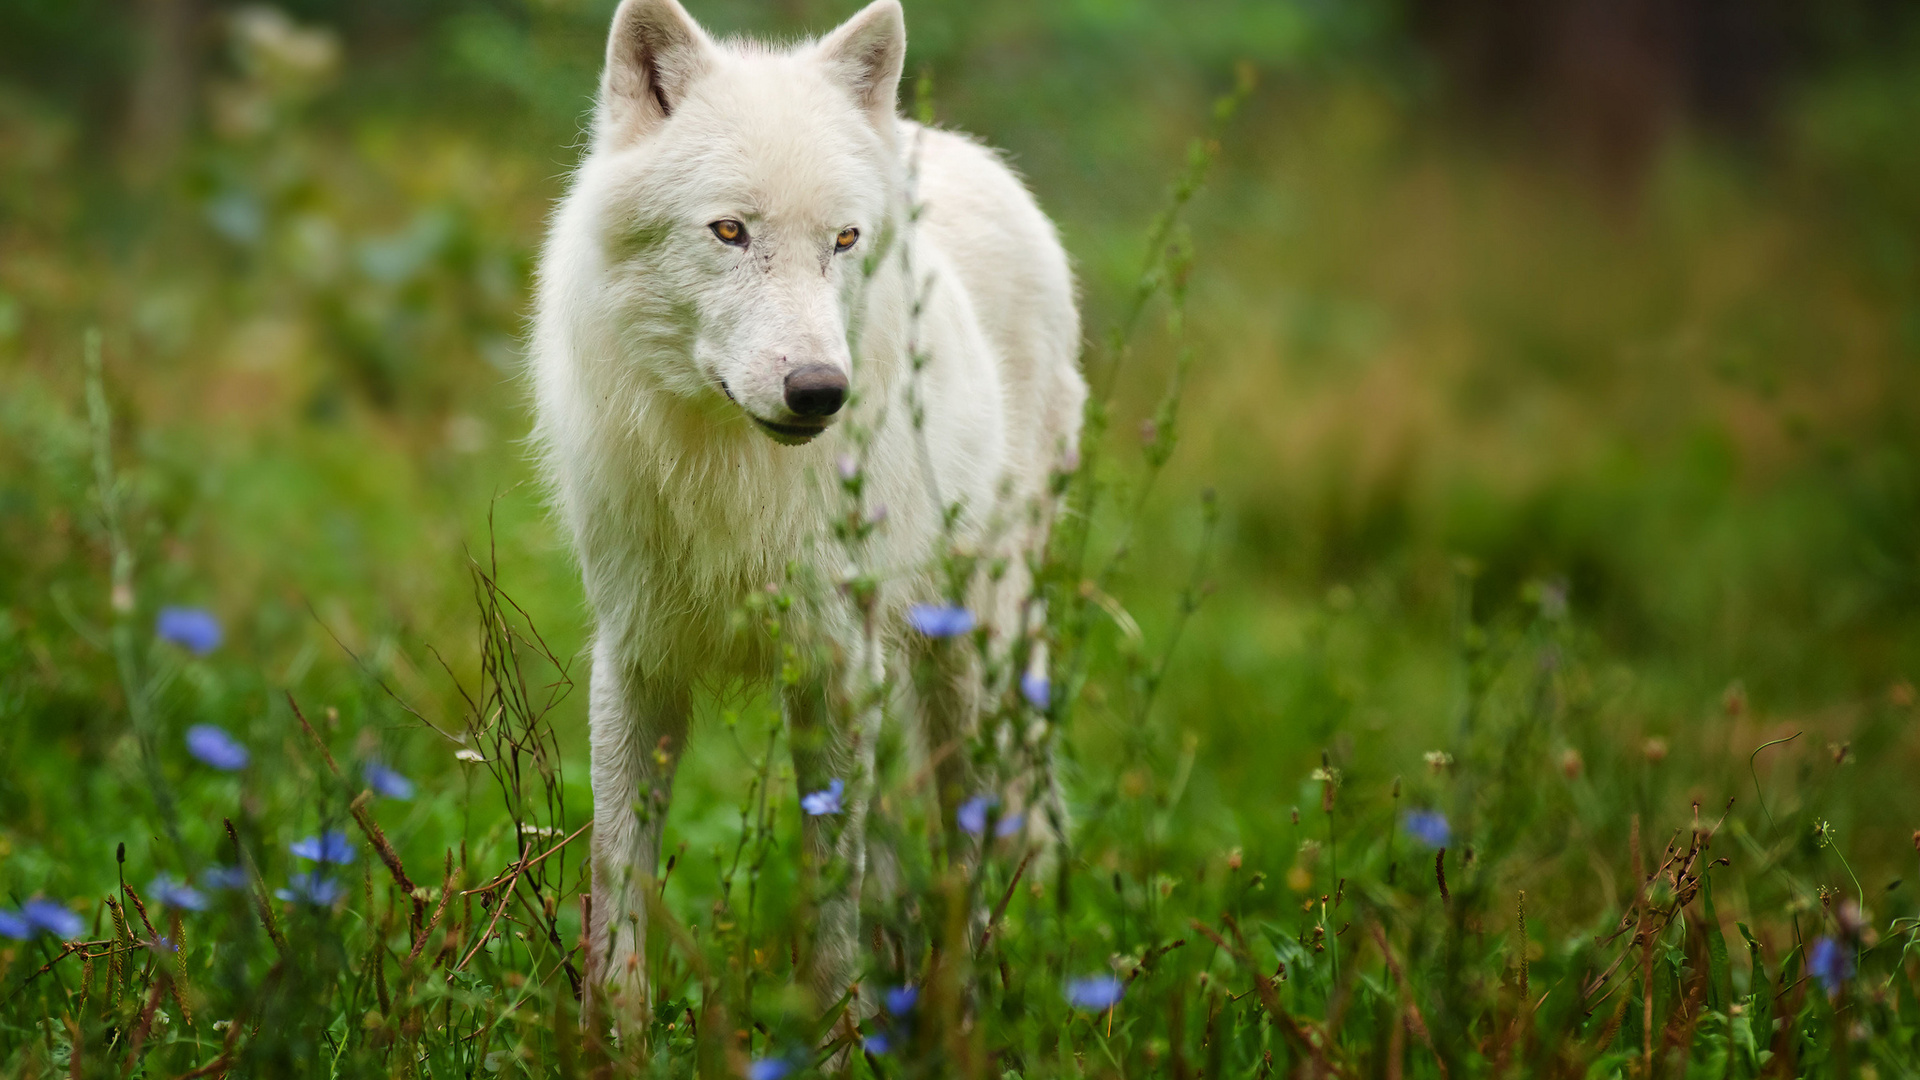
{"x":833,"y":749}
{"x":638,"y":728}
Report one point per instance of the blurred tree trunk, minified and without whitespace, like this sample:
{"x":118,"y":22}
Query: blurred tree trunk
{"x":165,"y":84}
{"x":1608,"y":79}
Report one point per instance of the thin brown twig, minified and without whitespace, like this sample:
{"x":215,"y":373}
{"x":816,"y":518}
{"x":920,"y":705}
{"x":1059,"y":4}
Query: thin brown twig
{"x":1415,"y":1019}
{"x":519,"y":868}
{"x":257,"y":887}
{"x":358,"y":808}
{"x":1005,"y":898}
{"x":145,"y":1026}
{"x":500,"y":904}
{"x":319,"y":743}
{"x":439,"y":912}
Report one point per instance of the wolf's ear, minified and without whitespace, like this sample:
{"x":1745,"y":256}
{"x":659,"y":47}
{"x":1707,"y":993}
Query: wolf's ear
{"x":653,"y":53}
{"x":866,"y":55}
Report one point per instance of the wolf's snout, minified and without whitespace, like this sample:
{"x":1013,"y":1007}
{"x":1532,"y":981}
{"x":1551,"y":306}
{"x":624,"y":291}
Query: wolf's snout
{"x":816,"y":390}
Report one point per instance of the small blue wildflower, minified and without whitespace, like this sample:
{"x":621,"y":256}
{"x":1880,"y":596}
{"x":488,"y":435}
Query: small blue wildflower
{"x":1829,"y":962}
{"x":310,"y":888}
{"x":177,"y":894}
{"x":901,"y":999}
{"x":224,"y":877}
{"x":331,"y":846}
{"x":15,"y":925}
{"x":55,"y":919}
{"x":1036,"y":689}
{"x":162,"y":943}
{"x":826,"y":801}
{"x":193,"y":629}
{"x":1095,"y":993}
{"x":769,"y":1069}
{"x":1009,"y":825}
{"x":387,"y":782}
{"x":972,"y":815}
{"x":940,"y":620}
{"x":215,"y":747}
{"x":1429,"y":827}
{"x":879,"y":1043}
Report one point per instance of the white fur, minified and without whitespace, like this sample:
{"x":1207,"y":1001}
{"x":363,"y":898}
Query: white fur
{"x":656,"y":345}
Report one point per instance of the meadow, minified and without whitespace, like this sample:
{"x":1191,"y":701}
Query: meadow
{"x":1484,"y":626}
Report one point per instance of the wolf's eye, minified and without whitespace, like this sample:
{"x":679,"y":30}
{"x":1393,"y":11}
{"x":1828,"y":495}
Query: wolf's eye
{"x":730,"y":232}
{"x":846,"y":239}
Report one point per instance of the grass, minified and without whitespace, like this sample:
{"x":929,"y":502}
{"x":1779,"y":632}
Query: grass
{"x":1586,"y":527}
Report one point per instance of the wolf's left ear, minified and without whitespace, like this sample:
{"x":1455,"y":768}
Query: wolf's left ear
{"x":866,"y":55}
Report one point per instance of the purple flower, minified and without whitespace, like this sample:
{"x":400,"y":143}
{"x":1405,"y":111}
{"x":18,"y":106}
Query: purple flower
{"x":769,"y":1069}
{"x":1095,"y":993}
{"x":1009,"y":825}
{"x":940,"y":620}
{"x":331,"y":846}
{"x":879,"y":1043}
{"x":310,"y":888}
{"x":387,"y":782}
{"x":901,"y":999}
{"x":214,"y":746}
{"x":177,"y":894}
{"x":55,"y":919}
{"x":193,"y":629}
{"x":1036,"y":689}
{"x":1829,"y":962}
{"x":224,"y":877}
{"x":1429,"y":827}
{"x":15,"y":925}
{"x":972,"y":815}
{"x":826,"y":801}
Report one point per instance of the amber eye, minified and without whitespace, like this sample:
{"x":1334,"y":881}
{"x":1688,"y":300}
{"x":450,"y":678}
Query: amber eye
{"x":730,"y":232}
{"x":846,"y":238}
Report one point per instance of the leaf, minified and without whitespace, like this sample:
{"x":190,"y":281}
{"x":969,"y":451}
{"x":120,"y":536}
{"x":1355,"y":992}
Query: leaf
{"x":1719,"y":971}
{"x":1760,"y":1002}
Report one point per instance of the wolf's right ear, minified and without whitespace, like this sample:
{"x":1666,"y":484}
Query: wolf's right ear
{"x":654,"y":53}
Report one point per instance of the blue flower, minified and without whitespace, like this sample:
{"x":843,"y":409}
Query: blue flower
{"x":163,"y":943}
{"x":55,"y":919}
{"x":824,"y":802}
{"x":15,"y":925}
{"x":310,"y":888}
{"x":1036,"y":689}
{"x":215,"y":747}
{"x":1429,"y":827}
{"x":879,"y":1043}
{"x":972,"y":815}
{"x":193,"y":629}
{"x":1829,"y":962}
{"x":769,"y":1069}
{"x":177,"y":894}
{"x":940,"y":620}
{"x":387,"y":782}
{"x":224,"y":877}
{"x":901,"y":999}
{"x":1009,"y":825}
{"x":1095,"y":993}
{"x":331,"y":846}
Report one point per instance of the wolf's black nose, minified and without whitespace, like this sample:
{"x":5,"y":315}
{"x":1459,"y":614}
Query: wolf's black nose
{"x":816,"y":390}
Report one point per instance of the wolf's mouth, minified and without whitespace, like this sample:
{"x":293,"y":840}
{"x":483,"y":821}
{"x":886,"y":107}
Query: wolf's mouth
{"x":784,"y":434}
{"x":789,"y":434}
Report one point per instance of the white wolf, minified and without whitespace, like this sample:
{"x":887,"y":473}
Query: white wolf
{"x":732,"y":264}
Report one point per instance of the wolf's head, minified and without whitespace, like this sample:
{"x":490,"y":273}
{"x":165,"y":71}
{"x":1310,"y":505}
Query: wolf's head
{"x":738,"y":191}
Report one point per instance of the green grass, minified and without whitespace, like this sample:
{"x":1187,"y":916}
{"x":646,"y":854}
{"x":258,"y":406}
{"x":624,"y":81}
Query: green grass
{"x":1589,"y":524}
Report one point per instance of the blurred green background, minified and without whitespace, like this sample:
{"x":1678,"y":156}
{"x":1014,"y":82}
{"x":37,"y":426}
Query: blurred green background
{"x":1495,"y":303}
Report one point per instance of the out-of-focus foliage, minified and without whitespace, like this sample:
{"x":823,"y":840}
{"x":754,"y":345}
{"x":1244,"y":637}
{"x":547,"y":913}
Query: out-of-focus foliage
{"x":1562,"y":408}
